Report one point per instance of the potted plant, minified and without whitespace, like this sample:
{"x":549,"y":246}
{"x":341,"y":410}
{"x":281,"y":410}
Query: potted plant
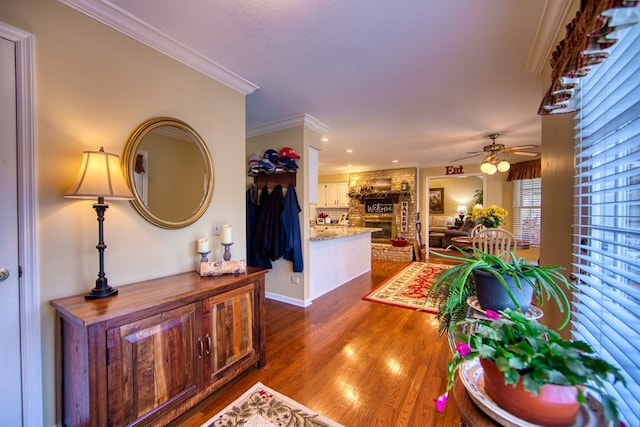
{"x":531,"y":356}
{"x":491,"y":216}
{"x":453,"y":287}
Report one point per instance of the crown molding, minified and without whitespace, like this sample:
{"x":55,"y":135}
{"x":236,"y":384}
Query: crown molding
{"x":122,"y":21}
{"x":299,"y":120}
{"x":551,"y":23}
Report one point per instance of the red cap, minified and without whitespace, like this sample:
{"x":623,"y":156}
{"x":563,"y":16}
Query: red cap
{"x":286,"y":151}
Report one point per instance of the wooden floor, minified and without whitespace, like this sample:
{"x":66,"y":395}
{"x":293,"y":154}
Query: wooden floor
{"x":357,"y":362}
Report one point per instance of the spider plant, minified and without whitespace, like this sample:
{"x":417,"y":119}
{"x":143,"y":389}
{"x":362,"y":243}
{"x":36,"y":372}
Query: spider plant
{"x":451,"y":290}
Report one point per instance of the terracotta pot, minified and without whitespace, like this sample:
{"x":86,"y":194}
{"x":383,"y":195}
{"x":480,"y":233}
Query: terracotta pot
{"x":554,"y":406}
{"x":492,"y":295}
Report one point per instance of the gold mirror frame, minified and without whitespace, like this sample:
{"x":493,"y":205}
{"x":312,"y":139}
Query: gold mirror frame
{"x":129,"y":158}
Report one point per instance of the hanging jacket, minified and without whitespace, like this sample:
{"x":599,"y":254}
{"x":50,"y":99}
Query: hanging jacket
{"x":269,"y":236}
{"x":252,"y":219}
{"x":291,"y":226}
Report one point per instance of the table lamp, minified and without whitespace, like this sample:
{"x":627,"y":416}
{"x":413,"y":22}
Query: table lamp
{"x":462,"y":209}
{"x":100,"y":176}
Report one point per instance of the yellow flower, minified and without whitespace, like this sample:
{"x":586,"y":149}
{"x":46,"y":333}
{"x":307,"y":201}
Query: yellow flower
{"x":491,"y":216}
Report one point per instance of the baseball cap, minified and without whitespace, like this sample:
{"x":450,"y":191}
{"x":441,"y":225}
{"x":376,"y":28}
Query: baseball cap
{"x":287,"y":163}
{"x":254,"y":158}
{"x":287,"y":151}
{"x":271,"y":155}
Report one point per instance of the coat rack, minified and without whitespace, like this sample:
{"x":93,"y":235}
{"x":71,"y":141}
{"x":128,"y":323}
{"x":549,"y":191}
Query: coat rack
{"x":273,"y":179}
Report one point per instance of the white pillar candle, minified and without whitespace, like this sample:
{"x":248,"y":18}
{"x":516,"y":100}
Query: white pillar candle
{"x":203,"y":245}
{"x":226,"y":234}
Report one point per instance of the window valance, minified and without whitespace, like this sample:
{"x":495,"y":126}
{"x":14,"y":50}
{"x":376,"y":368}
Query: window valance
{"x":589,"y":35}
{"x":525,"y":170}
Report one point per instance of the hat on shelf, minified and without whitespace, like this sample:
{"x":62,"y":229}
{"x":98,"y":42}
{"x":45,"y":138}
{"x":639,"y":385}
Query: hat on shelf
{"x":287,"y":163}
{"x":271,"y":155}
{"x":254,"y":164}
{"x":254,"y":158}
{"x":267,"y":166}
{"x":288,"y":152}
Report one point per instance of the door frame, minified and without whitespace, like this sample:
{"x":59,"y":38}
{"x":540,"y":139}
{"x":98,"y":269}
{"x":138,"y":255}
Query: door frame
{"x":30,"y":335}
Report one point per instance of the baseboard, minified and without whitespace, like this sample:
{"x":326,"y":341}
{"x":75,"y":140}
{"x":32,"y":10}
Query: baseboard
{"x":287,"y":300}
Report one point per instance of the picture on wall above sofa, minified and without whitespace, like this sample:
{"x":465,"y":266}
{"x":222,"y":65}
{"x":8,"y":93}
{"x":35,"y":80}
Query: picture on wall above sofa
{"x":436,"y":200}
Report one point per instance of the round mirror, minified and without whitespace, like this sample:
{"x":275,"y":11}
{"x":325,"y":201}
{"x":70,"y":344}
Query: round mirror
{"x":170,"y":172}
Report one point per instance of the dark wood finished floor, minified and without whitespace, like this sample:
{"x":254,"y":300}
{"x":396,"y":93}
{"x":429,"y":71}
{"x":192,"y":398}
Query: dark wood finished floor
{"x":357,"y":362}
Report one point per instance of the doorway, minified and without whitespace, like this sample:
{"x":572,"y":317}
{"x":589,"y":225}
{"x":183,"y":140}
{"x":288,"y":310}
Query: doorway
{"x":457,"y":190}
{"x":21,"y":388}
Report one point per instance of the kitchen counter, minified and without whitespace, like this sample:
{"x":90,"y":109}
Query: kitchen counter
{"x":327,"y":232}
{"x":337,"y":254}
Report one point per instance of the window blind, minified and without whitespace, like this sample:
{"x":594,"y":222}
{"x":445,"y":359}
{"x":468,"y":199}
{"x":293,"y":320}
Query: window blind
{"x":527,"y":196}
{"x":607,"y":215}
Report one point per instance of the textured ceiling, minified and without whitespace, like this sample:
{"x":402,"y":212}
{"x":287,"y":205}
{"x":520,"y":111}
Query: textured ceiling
{"x":420,"y":82}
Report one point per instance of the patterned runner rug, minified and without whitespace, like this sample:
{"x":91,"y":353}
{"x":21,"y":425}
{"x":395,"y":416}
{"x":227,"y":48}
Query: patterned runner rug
{"x":262,"y":407}
{"x":408,"y":288}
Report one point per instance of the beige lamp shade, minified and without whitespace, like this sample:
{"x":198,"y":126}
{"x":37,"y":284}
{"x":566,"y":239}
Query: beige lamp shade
{"x":100,"y":175}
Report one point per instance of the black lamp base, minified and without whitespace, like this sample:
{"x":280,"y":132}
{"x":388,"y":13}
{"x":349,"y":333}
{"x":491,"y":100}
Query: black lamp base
{"x":104,"y":292}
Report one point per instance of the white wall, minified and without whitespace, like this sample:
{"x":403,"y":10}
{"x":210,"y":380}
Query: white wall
{"x":94,"y":86}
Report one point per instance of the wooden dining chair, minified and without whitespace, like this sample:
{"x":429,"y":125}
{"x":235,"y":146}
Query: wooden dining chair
{"x":478,"y":228}
{"x":495,"y":241}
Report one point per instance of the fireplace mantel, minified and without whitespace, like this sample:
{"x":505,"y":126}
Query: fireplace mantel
{"x":393,"y":195}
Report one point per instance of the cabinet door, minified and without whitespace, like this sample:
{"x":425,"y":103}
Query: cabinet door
{"x":322,"y":195}
{"x":230,"y":334}
{"x":343,"y":191}
{"x":152,"y":364}
{"x":332,"y":194}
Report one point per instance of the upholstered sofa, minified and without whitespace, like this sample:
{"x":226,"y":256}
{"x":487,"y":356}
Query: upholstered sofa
{"x":438,"y":225}
{"x":464,"y":230}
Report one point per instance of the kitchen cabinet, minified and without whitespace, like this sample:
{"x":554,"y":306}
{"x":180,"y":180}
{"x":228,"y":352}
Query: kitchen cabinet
{"x":156,"y":349}
{"x":333,"y":195}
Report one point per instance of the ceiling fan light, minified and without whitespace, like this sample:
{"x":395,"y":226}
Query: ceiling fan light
{"x":503,"y":166}
{"x":488,"y":168}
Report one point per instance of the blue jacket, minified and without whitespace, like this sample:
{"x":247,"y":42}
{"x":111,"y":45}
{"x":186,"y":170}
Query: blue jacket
{"x":290,"y":219}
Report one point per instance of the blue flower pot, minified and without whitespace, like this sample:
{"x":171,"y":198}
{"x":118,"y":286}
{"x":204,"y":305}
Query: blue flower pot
{"x":492,"y":295}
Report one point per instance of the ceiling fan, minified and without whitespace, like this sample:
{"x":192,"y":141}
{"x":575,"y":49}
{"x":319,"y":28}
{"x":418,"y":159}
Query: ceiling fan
{"x":494,"y":155}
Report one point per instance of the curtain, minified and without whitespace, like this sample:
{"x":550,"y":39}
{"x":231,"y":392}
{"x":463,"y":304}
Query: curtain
{"x":525,"y":170}
{"x":591,"y":32}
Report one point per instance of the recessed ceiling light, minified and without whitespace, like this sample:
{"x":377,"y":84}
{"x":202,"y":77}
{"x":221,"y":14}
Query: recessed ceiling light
{"x":394,"y":161}
{"x":325,"y":139}
{"x":349,"y":150}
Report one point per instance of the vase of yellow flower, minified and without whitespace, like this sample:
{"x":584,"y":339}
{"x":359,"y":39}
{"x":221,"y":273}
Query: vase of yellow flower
{"x":491,"y":217}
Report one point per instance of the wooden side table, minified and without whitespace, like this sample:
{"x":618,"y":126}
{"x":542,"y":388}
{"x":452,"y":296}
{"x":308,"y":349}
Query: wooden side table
{"x":470,"y":414}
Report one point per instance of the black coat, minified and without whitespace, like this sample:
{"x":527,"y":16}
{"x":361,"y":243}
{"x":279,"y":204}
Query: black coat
{"x":269,"y":236}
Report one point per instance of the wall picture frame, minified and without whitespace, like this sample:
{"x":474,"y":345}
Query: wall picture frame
{"x":436,"y":200}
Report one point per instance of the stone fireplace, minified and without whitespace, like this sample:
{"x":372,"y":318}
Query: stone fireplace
{"x":395,"y":213}
{"x":388,"y":225}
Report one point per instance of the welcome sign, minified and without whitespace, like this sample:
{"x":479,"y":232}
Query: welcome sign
{"x":378,"y":206}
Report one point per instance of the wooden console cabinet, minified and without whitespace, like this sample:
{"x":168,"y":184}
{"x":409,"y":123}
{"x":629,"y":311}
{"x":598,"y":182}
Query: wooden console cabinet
{"x":153,"y":351}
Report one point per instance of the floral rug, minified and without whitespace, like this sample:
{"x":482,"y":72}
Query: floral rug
{"x":262,"y":407}
{"x":408,"y":288}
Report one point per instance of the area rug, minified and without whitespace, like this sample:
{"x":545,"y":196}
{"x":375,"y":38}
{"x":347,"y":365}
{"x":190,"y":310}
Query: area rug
{"x":409,"y":287}
{"x":262,"y":407}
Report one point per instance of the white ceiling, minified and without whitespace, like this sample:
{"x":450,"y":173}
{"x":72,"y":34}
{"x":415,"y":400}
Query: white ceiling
{"x":420,"y":82}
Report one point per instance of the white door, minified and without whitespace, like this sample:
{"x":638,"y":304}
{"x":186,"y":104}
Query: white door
{"x":10,"y":361}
